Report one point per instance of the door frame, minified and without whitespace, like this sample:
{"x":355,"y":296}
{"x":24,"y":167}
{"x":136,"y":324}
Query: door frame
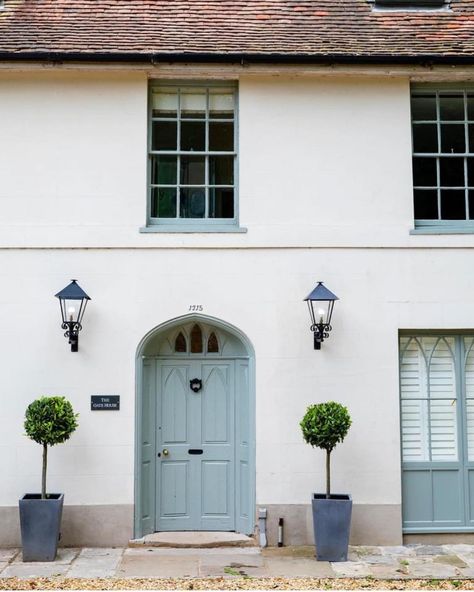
{"x":247,"y":525}
{"x":463,"y":465}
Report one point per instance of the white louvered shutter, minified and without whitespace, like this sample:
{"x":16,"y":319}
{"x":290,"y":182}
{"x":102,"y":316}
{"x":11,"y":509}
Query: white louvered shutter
{"x":469,"y":378}
{"x":428,"y":399}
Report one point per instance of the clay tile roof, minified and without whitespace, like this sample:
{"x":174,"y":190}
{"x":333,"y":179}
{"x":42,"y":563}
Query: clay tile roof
{"x":270,"y":30}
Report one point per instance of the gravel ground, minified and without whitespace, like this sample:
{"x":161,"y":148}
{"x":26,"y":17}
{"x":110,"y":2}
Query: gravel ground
{"x":232,"y":584}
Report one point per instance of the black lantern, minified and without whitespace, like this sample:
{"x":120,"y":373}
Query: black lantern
{"x":73,"y":302}
{"x":320,"y":305}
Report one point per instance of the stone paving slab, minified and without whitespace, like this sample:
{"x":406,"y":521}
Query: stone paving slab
{"x":236,"y":560}
{"x":300,"y":568}
{"x":424,"y":568}
{"x":153,"y":565}
{"x":34,"y":570}
{"x":351,"y":569}
{"x":96,"y":563}
{"x":7,"y":555}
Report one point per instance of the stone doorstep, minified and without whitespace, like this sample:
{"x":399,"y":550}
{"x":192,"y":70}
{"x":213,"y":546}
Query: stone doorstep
{"x":194,"y":540}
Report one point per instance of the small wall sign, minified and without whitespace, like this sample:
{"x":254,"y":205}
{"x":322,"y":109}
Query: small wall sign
{"x":105,"y":402}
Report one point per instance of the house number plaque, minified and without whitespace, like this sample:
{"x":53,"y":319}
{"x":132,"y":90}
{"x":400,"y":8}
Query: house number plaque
{"x":105,"y":403}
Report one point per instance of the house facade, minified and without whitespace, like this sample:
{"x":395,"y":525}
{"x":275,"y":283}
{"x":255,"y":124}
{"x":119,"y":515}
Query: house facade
{"x":198,"y":167}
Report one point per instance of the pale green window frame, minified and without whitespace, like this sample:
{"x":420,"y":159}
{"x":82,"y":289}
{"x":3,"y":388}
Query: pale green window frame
{"x":443,"y":225}
{"x":206,"y":223}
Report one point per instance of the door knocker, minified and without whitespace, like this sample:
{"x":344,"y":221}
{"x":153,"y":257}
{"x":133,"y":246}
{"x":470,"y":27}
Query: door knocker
{"x":195,"y":384}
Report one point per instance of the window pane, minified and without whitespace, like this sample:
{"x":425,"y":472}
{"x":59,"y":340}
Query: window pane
{"x":221,"y":203}
{"x":212,"y":344}
{"x":221,"y":106}
{"x":196,"y":340}
{"x":453,"y":204}
{"x":164,"y":104}
{"x":470,"y":106}
{"x":192,"y":203}
{"x":471,"y":205}
{"x":423,"y":107}
{"x":164,"y":170}
{"x":221,"y":136}
{"x":451,"y":107}
{"x":193,"y":105}
{"x":163,"y":203}
{"x":451,"y":172}
{"x":425,"y":137}
{"x":470,"y":172}
{"x":221,"y":170}
{"x":164,"y":135}
{"x":426,"y":204}
{"x":193,"y":135}
{"x":452,"y":138}
{"x":193,"y":170}
{"x":180,"y":343}
{"x":471,"y":137}
{"x":424,"y":172}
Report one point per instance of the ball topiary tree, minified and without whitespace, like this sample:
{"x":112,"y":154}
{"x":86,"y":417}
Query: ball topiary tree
{"x":49,"y":421}
{"x":325,"y":425}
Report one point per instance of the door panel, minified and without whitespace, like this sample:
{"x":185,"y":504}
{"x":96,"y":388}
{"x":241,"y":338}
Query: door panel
{"x":447,"y":497}
{"x":215,"y":404}
{"x":196,"y":491}
{"x":174,"y":487}
{"x":417,"y":499}
{"x":215,"y":488}
{"x":174,"y":404}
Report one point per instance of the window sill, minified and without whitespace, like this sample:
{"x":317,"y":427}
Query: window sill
{"x":443,"y":230}
{"x":202,"y":229}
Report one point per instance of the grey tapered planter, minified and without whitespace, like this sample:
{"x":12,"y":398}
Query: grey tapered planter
{"x":332,"y":526}
{"x":40,"y":522}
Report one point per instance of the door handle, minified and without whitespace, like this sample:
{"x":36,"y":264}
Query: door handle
{"x":195,"y":451}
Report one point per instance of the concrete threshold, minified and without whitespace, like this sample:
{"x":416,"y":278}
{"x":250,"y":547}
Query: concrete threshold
{"x":194,"y":540}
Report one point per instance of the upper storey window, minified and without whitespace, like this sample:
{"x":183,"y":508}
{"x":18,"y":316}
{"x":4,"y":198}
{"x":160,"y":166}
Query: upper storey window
{"x":410,"y":4}
{"x":192,"y":155}
{"x":443,"y":158}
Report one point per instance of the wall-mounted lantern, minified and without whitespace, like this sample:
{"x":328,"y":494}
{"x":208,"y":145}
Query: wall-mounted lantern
{"x":320,"y":305}
{"x":73,"y":302}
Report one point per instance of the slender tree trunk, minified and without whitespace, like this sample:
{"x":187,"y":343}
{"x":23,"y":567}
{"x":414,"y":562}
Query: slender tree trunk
{"x":328,"y":474}
{"x":45,"y":466}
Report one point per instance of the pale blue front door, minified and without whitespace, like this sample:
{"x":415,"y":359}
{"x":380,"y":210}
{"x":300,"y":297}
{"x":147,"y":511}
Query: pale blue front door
{"x":195,"y":445}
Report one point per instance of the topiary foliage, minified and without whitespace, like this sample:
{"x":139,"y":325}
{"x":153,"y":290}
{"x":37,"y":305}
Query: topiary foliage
{"x":49,"y":421}
{"x":325,"y":425}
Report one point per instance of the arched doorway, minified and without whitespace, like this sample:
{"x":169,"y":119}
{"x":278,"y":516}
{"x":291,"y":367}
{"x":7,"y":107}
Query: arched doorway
{"x":195,"y":428}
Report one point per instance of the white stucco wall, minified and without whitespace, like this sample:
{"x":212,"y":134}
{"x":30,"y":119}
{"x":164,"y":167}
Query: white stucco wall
{"x":325,"y":193}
